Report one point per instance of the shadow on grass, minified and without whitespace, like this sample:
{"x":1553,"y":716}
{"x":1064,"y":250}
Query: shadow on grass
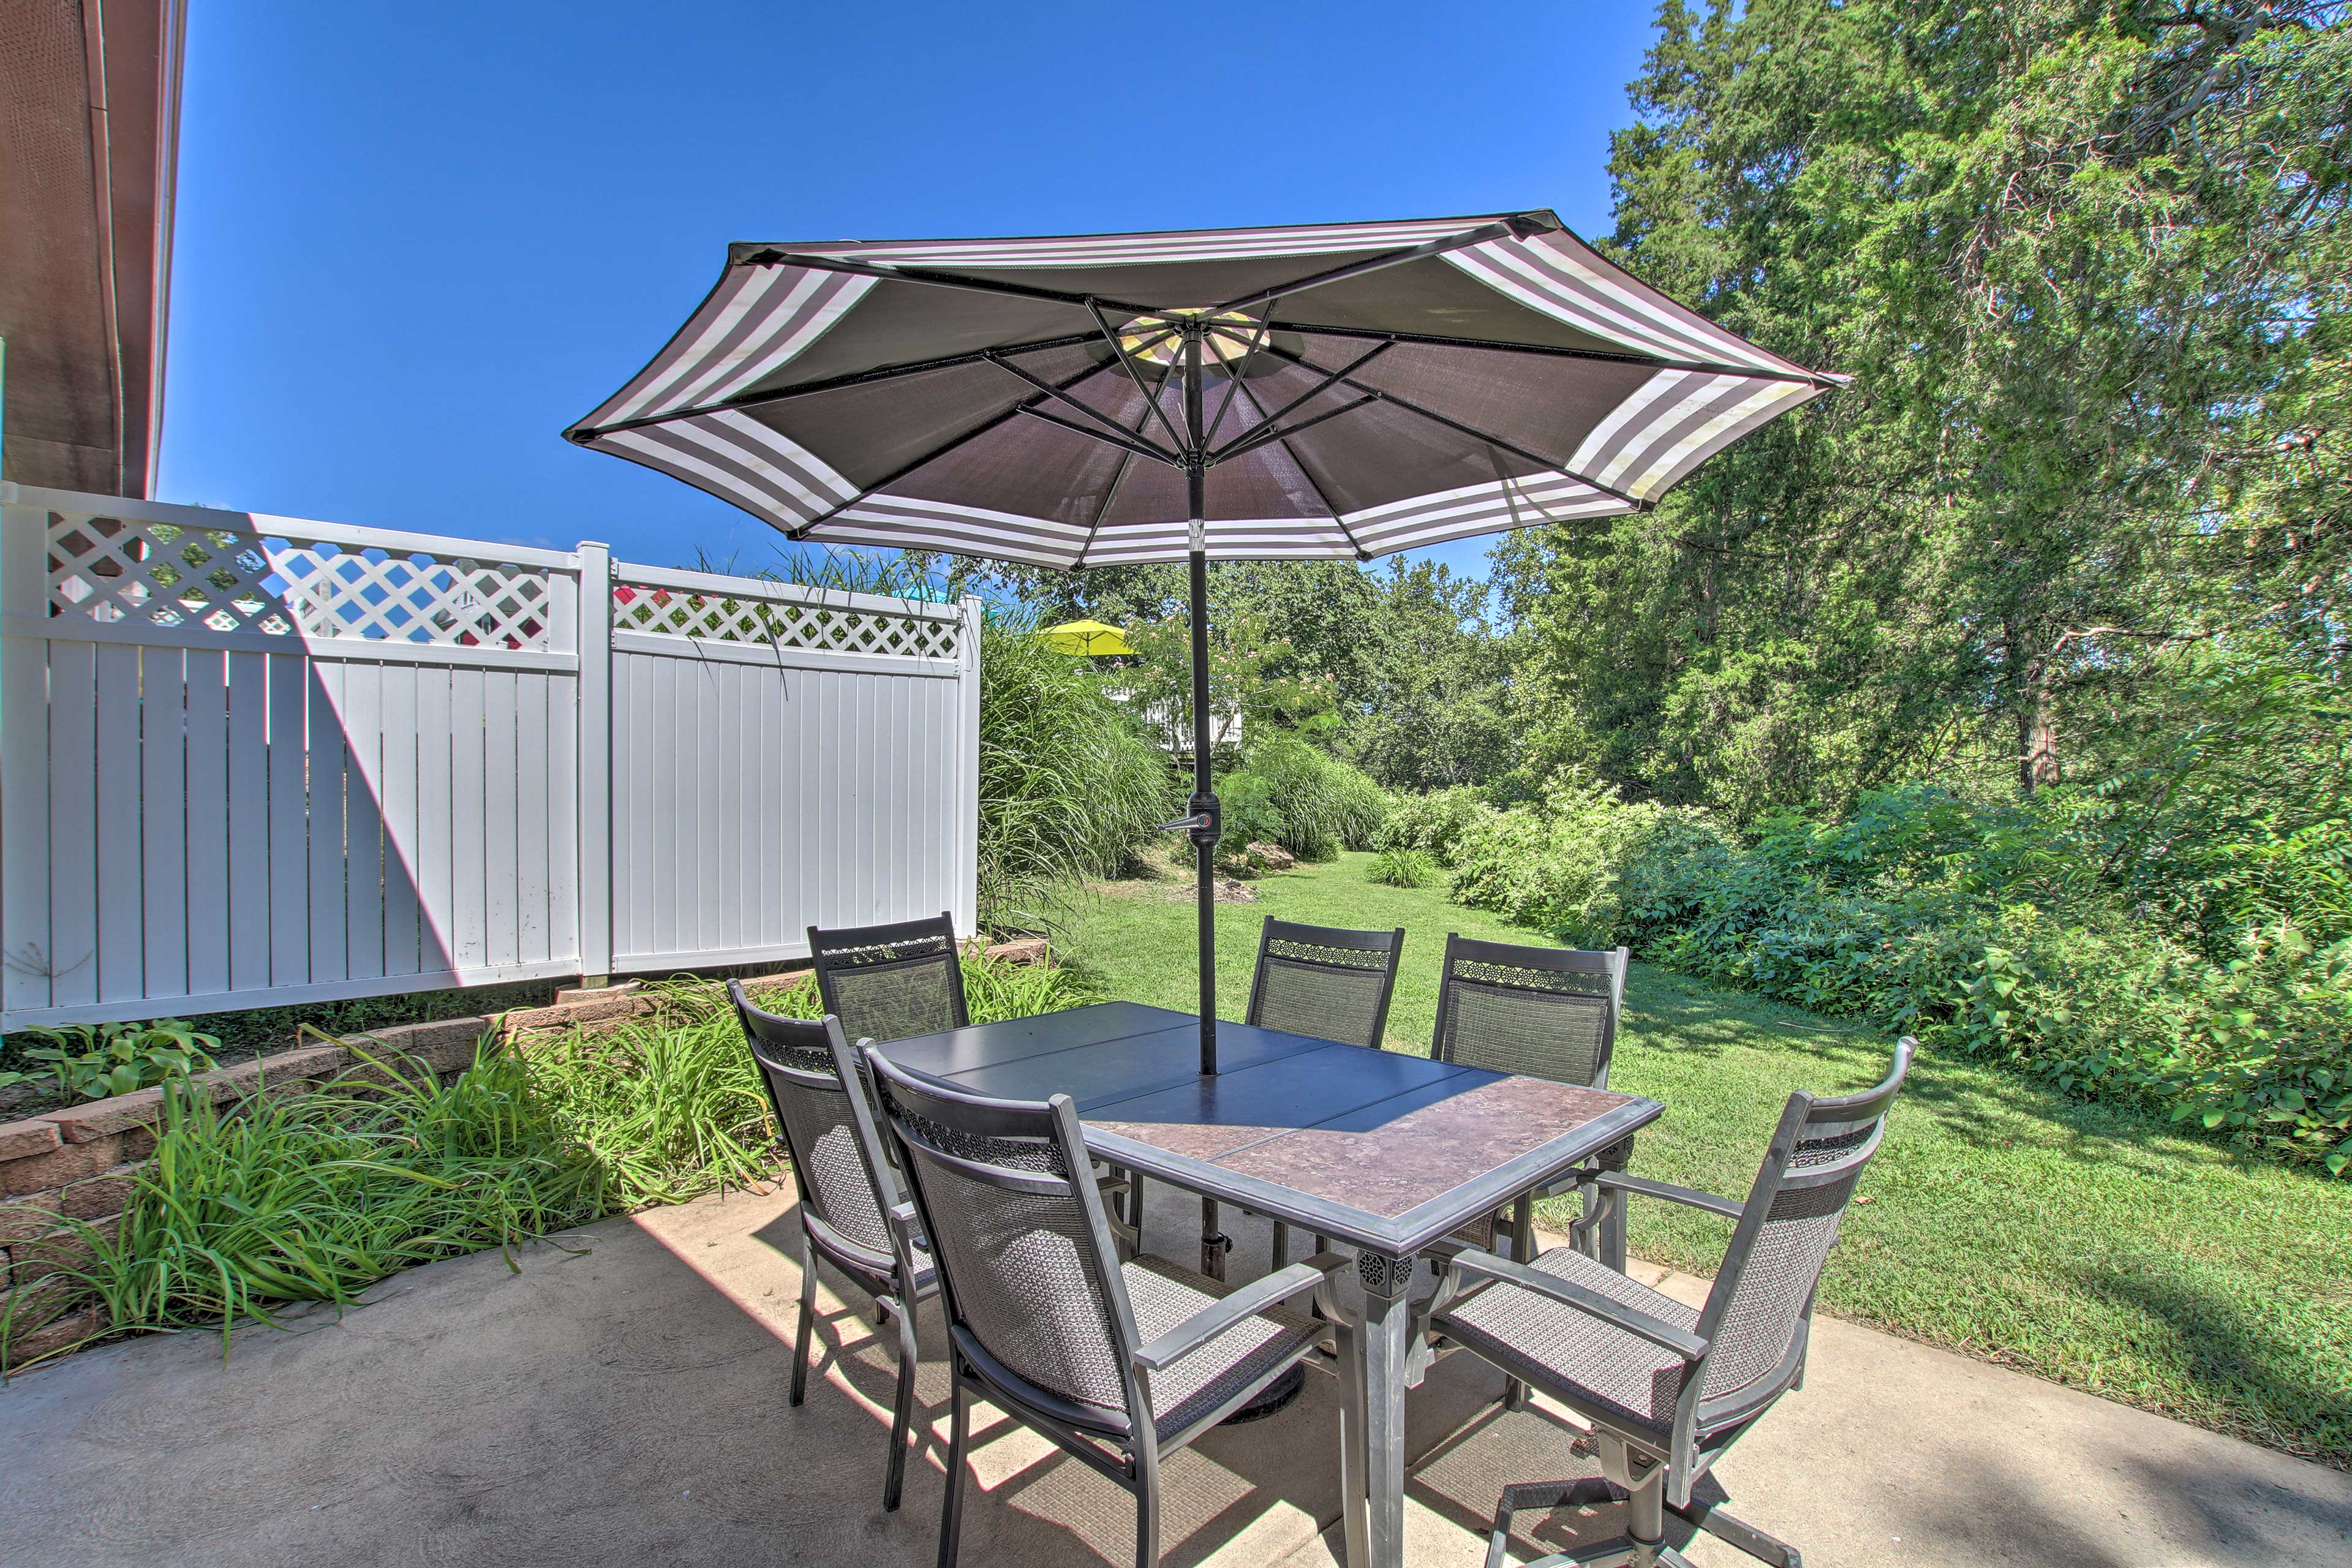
{"x":1983,"y":1103}
{"x":2273,"y":1390}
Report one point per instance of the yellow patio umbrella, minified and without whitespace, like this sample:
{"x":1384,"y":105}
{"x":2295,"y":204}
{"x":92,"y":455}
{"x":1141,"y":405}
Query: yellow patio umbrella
{"x":1082,"y":637}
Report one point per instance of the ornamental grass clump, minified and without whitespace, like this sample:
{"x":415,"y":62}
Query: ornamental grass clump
{"x":665,"y":1107}
{"x":315,"y":1197}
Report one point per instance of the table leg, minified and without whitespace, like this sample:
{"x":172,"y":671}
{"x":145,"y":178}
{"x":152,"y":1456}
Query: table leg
{"x":1613,"y":1223}
{"x":1212,"y":1241}
{"x":1352,"y":1447}
{"x":1386,"y":1338}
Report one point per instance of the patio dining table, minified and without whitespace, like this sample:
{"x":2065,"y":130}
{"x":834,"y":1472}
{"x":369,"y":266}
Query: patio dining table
{"x":1386,"y":1152}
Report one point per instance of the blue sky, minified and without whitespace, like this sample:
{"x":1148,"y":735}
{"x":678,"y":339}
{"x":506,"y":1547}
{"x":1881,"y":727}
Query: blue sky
{"x":414,"y":242}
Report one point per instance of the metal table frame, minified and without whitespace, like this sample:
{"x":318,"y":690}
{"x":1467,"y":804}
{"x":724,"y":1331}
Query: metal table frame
{"x":1131,"y":1068}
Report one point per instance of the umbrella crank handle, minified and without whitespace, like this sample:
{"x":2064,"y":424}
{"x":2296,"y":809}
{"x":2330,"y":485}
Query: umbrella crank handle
{"x":1206,"y":824}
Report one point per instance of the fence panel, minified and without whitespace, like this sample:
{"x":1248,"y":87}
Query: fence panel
{"x":247,"y":761}
{"x":781,"y":759}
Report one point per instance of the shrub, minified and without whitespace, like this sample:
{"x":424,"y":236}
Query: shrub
{"x":1986,"y":928}
{"x":1554,"y":863}
{"x":1405,"y":868}
{"x":1285,"y":792}
{"x":1434,"y":824}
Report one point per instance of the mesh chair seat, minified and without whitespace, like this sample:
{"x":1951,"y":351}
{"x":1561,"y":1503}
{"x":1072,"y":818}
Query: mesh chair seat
{"x":1117,"y":1363}
{"x":1165,"y":1294}
{"x":1552,"y":1342}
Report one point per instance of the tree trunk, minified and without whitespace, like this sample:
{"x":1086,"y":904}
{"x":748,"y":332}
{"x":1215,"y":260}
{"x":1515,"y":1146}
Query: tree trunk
{"x":2037,"y":722}
{"x":2037,"y":731}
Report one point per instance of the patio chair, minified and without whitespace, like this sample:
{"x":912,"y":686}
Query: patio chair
{"x":1665,"y":1388}
{"x":1118,"y":1364}
{"x":850,"y":1199}
{"x":887,"y":982}
{"x":893,"y":982}
{"x":1540,"y":1012}
{"x":1324,"y":980}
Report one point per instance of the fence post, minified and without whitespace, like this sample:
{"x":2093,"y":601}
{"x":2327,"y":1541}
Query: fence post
{"x":23,"y":757}
{"x":967,"y":801}
{"x":595,"y":780}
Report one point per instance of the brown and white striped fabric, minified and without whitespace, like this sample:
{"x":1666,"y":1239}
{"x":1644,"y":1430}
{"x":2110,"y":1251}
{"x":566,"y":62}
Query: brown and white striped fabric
{"x":1494,"y":373}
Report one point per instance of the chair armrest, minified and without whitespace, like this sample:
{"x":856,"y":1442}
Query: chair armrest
{"x":1478,"y":1265}
{"x":1216,"y":1318}
{"x":1729,"y":1208}
{"x":903,"y":1216}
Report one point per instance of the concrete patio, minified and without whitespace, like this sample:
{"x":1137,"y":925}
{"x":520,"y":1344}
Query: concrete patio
{"x":624,"y":1404}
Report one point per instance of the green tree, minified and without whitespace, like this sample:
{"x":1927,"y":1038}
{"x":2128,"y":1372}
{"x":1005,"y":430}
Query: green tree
{"x":2087,"y":266}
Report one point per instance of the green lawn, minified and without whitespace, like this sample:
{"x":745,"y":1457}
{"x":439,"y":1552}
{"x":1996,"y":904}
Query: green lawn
{"x":2077,"y":1242}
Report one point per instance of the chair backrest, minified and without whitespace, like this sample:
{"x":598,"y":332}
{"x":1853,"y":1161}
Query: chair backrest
{"x":1321,"y":981}
{"x":1544,"y":1012}
{"x":846,"y":1186}
{"x":887,"y":982}
{"x":1764,"y":1293}
{"x":1028,"y":1274}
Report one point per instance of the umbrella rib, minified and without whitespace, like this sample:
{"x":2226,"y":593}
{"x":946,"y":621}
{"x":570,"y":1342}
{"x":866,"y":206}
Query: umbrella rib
{"x":1259,"y":338}
{"x":1308,"y":474}
{"x":1548,"y":351}
{"x":1149,"y":448}
{"x":941,"y":450}
{"x":1490,"y":438}
{"x":773,"y":257}
{"x":584,"y":433}
{"x":1517,"y":226}
{"x":1361,"y":360}
{"x":1263,"y":435}
{"x":1106,"y":437}
{"x":1127,"y":461}
{"x":1127,"y":362}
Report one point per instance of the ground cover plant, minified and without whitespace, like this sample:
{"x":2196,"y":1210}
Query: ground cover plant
{"x":78,"y":1062}
{"x":311,"y":1198}
{"x":2086,"y":1243}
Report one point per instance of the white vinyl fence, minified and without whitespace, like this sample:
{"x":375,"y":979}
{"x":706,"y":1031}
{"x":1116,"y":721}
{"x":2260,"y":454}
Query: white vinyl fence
{"x":247,"y":761}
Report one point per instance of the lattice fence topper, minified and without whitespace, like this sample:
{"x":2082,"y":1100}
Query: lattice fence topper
{"x":780,"y":623}
{"x":112,"y":569}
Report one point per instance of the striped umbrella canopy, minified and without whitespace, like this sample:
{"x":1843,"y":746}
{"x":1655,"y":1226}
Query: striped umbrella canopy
{"x":1331,"y":391}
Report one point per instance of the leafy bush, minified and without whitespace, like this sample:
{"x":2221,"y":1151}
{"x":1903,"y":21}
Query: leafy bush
{"x":1285,"y":792}
{"x":1068,"y":784}
{"x":1988,"y":928}
{"x":1405,"y":868}
{"x":1434,"y":824}
{"x":84,"y":1063}
{"x":1554,"y":863}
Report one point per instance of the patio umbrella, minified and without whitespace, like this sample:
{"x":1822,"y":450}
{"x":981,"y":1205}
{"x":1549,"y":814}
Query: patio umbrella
{"x":1340,"y":391}
{"x":1085,"y":637}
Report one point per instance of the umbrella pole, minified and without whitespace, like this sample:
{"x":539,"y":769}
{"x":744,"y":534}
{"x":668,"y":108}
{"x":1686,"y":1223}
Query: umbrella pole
{"x":1203,"y":804}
